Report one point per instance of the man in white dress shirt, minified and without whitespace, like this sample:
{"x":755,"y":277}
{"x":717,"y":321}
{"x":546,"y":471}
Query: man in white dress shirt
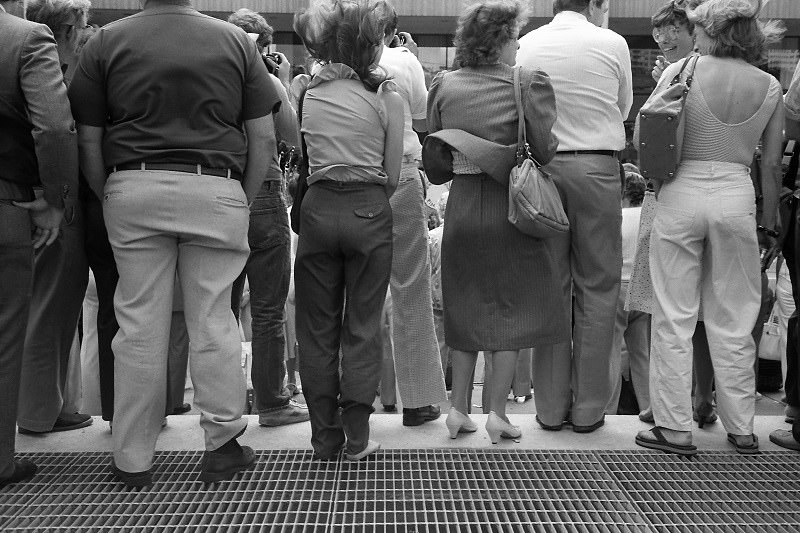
{"x":590,"y":70}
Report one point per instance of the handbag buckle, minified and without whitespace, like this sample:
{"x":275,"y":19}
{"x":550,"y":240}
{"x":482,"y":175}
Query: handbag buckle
{"x":524,"y":152}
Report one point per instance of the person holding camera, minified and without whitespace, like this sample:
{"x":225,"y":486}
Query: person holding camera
{"x":417,"y":361}
{"x":269,"y":266}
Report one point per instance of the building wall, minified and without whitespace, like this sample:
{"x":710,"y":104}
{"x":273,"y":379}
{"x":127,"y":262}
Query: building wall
{"x":433,"y":23}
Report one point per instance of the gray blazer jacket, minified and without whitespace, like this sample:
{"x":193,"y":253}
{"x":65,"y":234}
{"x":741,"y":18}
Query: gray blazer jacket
{"x":38,"y":141}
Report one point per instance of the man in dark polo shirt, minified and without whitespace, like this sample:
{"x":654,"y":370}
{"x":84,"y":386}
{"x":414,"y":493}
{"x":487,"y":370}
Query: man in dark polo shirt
{"x":174,"y":112}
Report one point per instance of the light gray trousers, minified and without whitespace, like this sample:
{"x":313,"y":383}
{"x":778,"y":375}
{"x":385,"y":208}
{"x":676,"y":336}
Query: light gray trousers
{"x":159,"y":223}
{"x":704,"y":245}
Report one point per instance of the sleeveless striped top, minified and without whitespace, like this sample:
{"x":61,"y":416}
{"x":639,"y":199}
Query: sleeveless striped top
{"x":707,"y":138}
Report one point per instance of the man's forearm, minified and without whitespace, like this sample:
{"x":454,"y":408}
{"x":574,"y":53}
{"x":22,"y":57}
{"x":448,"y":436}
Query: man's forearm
{"x":93,"y":168}
{"x":256,"y":171}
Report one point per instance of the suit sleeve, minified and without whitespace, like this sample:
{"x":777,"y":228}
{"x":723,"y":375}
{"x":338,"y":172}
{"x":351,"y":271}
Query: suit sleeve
{"x":540,"y":116}
{"x":53,"y":129}
{"x":434,"y":117}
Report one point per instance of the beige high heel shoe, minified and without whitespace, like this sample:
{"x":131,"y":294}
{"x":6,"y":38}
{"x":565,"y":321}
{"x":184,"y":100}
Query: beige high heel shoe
{"x":496,"y":427}
{"x":458,"y":422}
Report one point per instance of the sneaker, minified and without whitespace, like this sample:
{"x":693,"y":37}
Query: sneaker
{"x":224,"y":462}
{"x":64,"y":422}
{"x":390,"y":408}
{"x":291,"y":413}
{"x":420,"y":415}
{"x":523,"y":399}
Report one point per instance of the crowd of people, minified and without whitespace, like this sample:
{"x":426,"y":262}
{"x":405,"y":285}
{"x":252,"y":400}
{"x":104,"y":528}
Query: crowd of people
{"x":163,"y":151}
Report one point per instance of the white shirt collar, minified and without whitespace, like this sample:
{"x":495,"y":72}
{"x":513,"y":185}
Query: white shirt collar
{"x":570,"y":16}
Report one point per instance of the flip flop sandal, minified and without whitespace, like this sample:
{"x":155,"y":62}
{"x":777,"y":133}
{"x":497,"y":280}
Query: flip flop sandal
{"x":749,"y":449}
{"x":662,"y":444}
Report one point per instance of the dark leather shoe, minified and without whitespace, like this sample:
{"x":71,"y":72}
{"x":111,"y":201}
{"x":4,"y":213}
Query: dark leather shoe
{"x":588,"y":429}
{"x":224,"y":462}
{"x":64,"y":422}
{"x":390,"y":408}
{"x":420,"y":415}
{"x":132,"y":480}
{"x":548,"y":427}
{"x":181,"y":409}
{"x":23,"y":469}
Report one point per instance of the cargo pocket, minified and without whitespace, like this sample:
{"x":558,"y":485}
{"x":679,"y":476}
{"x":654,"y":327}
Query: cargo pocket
{"x":372,"y":211}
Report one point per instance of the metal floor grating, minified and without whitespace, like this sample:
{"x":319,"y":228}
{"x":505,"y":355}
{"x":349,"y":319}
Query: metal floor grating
{"x":480,"y":490}
{"x":716,"y":492}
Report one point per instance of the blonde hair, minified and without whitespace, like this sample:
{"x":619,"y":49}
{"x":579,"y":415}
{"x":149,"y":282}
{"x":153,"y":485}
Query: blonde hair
{"x":736,"y":30}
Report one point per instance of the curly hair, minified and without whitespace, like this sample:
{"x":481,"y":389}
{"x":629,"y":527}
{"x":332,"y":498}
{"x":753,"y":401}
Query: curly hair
{"x":635,"y":186}
{"x":484,"y":28}
{"x":345,"y":31}
{"x":735,"y":29}
{"x":57,"y":13}
{"x":672,"y":13}
{"x":252,"y":22}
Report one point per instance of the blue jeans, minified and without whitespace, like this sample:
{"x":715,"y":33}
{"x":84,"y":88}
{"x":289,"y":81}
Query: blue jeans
{"x":268,"y":270}
{"x":16,"y":284}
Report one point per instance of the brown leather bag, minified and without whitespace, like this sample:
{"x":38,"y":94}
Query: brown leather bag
{"x":659,"y":127}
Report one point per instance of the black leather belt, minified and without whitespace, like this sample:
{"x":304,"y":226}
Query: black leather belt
{"x":180,"y":167}
{"x":610,"y":153}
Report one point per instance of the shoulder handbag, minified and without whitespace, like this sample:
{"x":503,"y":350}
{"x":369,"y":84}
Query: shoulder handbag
{"x":769,"y":346}
{"x":534,"y":204}
{"x":660,"y":127}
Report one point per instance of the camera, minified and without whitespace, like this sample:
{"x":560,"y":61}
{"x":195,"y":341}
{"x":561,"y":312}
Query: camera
{"x":399,"y":40}
{"x":272,"y":61}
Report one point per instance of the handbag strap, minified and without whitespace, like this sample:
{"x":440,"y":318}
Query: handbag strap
{"x":690,"y":76}
{"x":523,"y":148}
{"x":522,"y":139}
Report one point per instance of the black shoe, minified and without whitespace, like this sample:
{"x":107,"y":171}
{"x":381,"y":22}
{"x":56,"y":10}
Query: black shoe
{"x":224,"y":462}
{"x":182,"y":409}
{"x":132,"y":480}
{"x":65,"y":422}
{"x":548,"y":427}
{"x":23,"y":469}
{"x":420,"y":415}
{"x":390,"y":408}
{"x":588,"y":429}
